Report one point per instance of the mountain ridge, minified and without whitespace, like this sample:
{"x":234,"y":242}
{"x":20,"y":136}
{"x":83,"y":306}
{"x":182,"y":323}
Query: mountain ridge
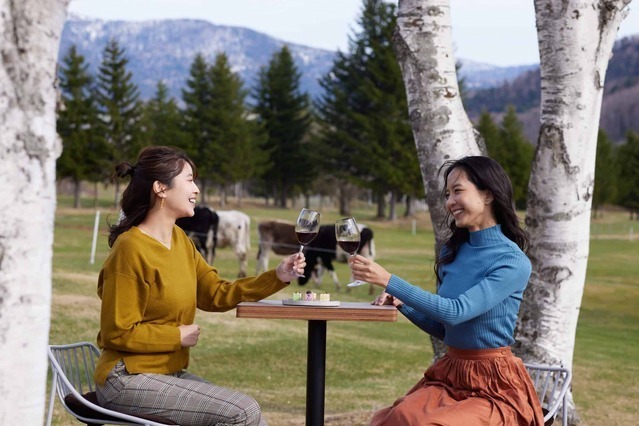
{"x":620,"y":104}
{"x":164,"y":49}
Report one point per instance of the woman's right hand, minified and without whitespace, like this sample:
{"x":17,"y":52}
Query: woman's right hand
{"x":189,"y":335}
{"x":364,"y":269}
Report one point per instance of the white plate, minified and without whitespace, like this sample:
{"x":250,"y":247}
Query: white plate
{"x":291,"y":302}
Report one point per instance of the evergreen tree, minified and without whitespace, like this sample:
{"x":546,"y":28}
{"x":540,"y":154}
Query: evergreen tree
{"x":490,"y":132}
{"x":235,"y":140}
{"x":163,"y":120}
{"x":364,"y":111}
{"x":605,"y":173}
{"x":516,"y":155}
{"x":628,"y":160}
{"x":84,"y":150}
{"x":120,"y":108}
{"x":197,"y":123}
{"x":283,"y":112}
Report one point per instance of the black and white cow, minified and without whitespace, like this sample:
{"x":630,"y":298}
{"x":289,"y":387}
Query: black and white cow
{"x":202,"y":229}
{"x":279,"y":236}
{"x":210,"y":230}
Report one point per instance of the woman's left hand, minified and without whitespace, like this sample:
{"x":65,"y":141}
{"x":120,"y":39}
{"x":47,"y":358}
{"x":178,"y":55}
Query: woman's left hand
{"x":291,"y":267}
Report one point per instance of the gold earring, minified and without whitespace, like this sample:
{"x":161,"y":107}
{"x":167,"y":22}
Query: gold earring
{"x":162,"y":203}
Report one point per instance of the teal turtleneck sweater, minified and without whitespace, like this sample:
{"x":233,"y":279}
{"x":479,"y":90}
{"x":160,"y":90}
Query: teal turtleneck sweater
{"x":478,"y":301}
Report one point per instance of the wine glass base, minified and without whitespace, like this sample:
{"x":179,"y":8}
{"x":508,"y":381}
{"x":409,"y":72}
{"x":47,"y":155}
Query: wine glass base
{"x":356,"y":283}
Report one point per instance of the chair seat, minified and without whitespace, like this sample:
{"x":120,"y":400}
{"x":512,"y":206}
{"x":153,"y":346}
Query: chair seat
{"x":82,"y":410}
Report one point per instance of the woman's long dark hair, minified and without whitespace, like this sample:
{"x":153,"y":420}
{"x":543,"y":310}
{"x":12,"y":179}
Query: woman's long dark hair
{"x":155,"y":163}
{"x":487,"y":175}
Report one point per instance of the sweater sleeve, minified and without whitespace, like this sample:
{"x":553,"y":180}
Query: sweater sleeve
{"x":215,"y":294}
{"x":434,"y":328}
{"x":504,"y":278}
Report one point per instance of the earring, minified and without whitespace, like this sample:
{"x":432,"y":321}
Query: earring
{"x":162,"y":203}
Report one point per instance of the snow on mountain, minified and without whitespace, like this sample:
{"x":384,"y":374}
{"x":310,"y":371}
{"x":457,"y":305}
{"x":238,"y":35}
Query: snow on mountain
{"x":164,"y":50}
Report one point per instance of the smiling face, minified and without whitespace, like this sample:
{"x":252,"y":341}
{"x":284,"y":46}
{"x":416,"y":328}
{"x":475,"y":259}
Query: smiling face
{"x":181,"y":196}
{"x":470,"y":207}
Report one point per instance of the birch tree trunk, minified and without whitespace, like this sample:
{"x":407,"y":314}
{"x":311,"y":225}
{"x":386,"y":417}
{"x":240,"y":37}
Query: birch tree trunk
{"x":575,"y":44}
{"x":30,"y":35}
{"x":442,"y":130}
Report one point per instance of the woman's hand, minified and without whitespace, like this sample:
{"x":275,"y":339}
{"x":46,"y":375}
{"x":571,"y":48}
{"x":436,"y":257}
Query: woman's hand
{"x":386,"y":299}
{"x":291,"y":267}
{"x":366,"y":270}
{"x":189,"y":335}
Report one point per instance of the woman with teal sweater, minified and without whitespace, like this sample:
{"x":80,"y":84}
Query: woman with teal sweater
{"x":482,"y":272}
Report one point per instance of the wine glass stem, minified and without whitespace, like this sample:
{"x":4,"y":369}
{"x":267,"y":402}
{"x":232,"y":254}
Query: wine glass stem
{"x":301,"y":247}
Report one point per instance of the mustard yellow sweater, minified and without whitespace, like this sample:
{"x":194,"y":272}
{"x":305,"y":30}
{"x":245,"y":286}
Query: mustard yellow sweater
{"x":148,"y":290}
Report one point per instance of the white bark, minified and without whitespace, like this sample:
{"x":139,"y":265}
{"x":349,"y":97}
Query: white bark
{"x":575,"y":44}
{"x":30,"y":33}
{"x":442,"y":130}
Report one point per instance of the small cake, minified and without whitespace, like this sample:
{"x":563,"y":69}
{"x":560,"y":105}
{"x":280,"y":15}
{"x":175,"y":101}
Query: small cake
{"x":297,"y":295}
{"x":310,"y":296}
{"x":325,"y":297}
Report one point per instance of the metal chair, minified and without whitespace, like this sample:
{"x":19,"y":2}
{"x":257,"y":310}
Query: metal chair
{"x":73,"y":366}
{"x":552,"y":384}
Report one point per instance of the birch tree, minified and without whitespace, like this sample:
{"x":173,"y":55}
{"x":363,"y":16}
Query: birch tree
{"x":441,"y":128}
{"x":28,"y":150}
{"x":575,"y":43}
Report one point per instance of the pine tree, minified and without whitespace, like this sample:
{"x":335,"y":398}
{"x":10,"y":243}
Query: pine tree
{"x":628,"y":161}
{"x":197,"y":121}
{"x":235,"y":139}
{"x":163,"y":120}
{"x":120,"y":108}
{"x":605,"y":173}
{"x":84,"y":150}
{"x":364,"y":111}
{"x":283,"y":112}
{"x":516,"y":155}
{"x":490,"y":132}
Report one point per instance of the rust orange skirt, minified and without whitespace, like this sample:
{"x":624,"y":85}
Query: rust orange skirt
{"x":468,"y":388}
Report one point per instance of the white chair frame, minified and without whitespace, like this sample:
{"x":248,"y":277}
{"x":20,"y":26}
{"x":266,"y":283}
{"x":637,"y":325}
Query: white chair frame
{"x":73,"y":366}
{"x":552,"y":384}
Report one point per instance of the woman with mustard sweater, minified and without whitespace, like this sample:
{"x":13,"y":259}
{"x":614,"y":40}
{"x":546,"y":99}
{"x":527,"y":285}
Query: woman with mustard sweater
{"x":150,"y":286}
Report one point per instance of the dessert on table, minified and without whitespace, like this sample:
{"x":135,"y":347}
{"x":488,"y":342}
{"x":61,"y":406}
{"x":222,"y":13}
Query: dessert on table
{"x":310,"y":298}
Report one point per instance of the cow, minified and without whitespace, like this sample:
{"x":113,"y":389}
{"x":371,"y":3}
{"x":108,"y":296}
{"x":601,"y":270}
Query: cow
{"x":202,"y":229}
{"x":234,"y":230}
{"x":279,"y":236}
{"x":210,"y":229}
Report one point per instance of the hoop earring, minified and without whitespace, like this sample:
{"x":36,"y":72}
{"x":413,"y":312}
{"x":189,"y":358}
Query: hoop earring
{"x":162,"y":203}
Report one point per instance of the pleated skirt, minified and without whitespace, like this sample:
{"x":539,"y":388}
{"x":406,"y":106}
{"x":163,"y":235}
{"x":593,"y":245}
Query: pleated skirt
{"x":468,"y":388}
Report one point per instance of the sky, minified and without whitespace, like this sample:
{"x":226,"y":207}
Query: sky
{"x":496,"y":32}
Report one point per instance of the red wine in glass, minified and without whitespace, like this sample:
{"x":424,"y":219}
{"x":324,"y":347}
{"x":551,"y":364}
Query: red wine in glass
{"x":349,"y":247}
{"x":348,"y":238}
{"x":305,"y":237}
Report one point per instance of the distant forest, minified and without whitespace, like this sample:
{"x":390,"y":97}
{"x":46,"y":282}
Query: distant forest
{"x":620,"y":109}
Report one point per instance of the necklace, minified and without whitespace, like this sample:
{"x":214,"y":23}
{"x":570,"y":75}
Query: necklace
{"x":153,"y":236}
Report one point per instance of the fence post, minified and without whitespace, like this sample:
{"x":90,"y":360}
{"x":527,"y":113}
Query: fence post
{"x":95,"y":236}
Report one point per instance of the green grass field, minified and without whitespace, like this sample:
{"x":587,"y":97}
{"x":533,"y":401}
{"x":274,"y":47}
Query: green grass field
{"x":369,"y":365}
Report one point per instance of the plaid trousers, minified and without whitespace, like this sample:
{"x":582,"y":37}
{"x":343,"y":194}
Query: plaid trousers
{"x":182,"y":397}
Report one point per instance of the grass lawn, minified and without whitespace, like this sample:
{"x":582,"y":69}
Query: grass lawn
{"x":368,"y":364}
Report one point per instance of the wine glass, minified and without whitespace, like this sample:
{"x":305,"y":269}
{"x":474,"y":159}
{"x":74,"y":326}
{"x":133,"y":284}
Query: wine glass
{"x":348,"y":239}
{"x":306,"y":228}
